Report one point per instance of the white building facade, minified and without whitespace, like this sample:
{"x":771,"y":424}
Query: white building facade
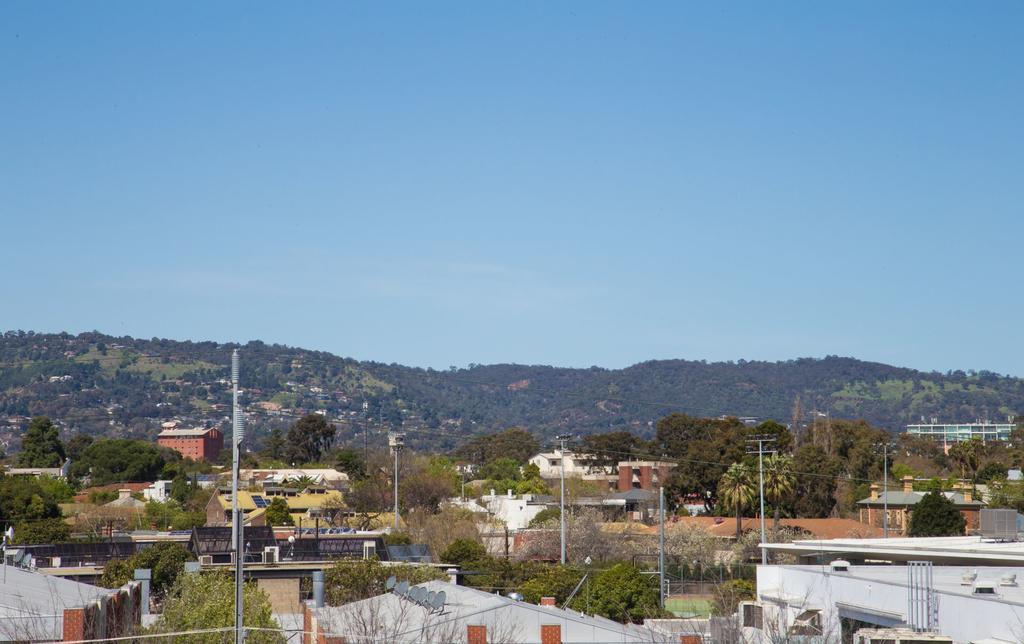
{"x":970,"y":605}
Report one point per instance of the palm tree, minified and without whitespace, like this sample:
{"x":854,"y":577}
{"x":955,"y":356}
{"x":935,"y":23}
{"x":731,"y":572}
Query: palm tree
{"x":779,"y":481}
{"x":737,"y":489}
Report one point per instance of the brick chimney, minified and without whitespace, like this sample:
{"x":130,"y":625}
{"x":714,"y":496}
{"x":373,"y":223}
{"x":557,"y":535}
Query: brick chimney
{"x":968,"y":491}
{"x":908,"y":483}
{"x":874,"y":491}
{"x":124,"y":493}
{"x":547,"y":601}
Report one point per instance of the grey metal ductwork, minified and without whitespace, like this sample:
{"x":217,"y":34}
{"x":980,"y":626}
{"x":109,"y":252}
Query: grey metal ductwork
{"x":318,"y":588}
{"x":144,"y":575}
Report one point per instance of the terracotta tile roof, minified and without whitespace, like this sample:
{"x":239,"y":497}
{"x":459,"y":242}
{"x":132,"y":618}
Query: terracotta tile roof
{"x":818,"y":528}
{"x":83,"y":496}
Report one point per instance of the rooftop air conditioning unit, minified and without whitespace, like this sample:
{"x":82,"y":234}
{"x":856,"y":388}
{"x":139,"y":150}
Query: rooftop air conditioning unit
{"x":999,"y":524}
{"x":271,"y":554}
{"x":205,"y":560}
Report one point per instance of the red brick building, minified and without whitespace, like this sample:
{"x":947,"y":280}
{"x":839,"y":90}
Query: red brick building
{"x":900,"y":504}
{"x":197,"y":444}
{"x":643,"y":475}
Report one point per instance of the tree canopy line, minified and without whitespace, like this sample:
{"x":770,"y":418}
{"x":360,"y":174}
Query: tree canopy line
{"x":821,"y":470}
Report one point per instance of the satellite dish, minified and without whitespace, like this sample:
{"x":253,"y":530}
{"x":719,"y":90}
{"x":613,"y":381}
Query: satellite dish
{"x":439,"y":600}
{"x":429,"y":599}
{"x":390,"y":583}
{"x":402,"y":588}
{"x":417,"y":593}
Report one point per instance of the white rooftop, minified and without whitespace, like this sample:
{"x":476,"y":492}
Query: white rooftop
{"x":940,"y":550}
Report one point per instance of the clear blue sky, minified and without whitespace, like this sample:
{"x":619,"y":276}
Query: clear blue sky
{"x":593,"y":183}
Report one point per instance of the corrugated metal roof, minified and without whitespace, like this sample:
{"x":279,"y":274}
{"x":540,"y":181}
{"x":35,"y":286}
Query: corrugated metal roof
{"x":32,"y":604}
{"x":399,"y":619}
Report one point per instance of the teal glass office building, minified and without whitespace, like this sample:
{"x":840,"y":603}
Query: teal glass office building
{"x":959,"y":432}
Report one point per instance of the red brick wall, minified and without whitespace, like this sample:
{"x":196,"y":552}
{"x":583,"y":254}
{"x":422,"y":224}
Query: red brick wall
{"x":74,"y":624}
{"x":625,"y":478}
{"x":551,"y":634}
{"x":476,"y":634}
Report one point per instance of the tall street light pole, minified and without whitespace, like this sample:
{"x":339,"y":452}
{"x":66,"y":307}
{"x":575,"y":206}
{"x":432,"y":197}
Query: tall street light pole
{"x":761,"y":439}
{"x":397,"y":442}
{"x":661,"y":544}
{"x":562,"y":438}
{"x":237,"y":529}
{"x":885,"y":489}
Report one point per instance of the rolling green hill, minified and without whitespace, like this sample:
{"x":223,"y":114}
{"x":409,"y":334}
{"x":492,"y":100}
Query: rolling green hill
{"x":125,"y":386}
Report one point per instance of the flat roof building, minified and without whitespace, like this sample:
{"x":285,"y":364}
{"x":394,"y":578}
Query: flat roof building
{"x":947,"y":433}
{"x":964,"y":604}
{"x":198,"y":444}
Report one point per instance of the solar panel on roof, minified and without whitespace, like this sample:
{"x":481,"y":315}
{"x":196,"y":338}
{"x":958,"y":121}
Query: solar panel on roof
{"x":259,"y":501}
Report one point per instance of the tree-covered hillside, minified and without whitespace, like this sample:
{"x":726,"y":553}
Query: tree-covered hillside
{"x":121,"y":386}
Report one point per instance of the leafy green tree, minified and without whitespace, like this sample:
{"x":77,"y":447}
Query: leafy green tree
{"x":42,"y":531}
{"x":553,"y":581}
{"x":463,"y":551}
{"x":501,"y":469}
{"x":991,"y":470}
{"x":814,"y":495}
{"x":397,"y":539}
{"x":936,"y":516}
{"x":207,"y":600}
{"x":348,"y":581}
{"x":611,"y":447}
{"x":121,"y":460}
{"x":308,"y":438}
{"x":166,"y":560}
{"x":779,"y":481}
{"x":783,"y":437}
{"x":623,"y":593}
{"x":275,"y":445}
{"x":41,"y":445}
{"x":77,"y":444}
{"x":737,"y":490}
{"x":173,"y":515}
{"x":277,"y":513}
{"x":56,"y":488}
{"x":702,"y":443}
{"x":350,"y":462}
{"x":545,"y":517}
{"x":23,"y":499}
{"x":965,"y":456}
{"x":514,"y":443}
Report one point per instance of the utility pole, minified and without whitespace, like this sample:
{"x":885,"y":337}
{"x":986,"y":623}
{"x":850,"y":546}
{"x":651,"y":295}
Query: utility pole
{"x":661,"y":544}
{"x":397,"y":441}
{"x":237,"y":529}
{"x":885,"y":489}
{"x":761,"y":439}
{"x":562,"y":438}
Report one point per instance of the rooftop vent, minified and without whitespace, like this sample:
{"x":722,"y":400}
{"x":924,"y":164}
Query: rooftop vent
{"x":967,"y":579}
{"x":1009,"y":579}
{"x":839,"y":565}
{"x":984,"y":588}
